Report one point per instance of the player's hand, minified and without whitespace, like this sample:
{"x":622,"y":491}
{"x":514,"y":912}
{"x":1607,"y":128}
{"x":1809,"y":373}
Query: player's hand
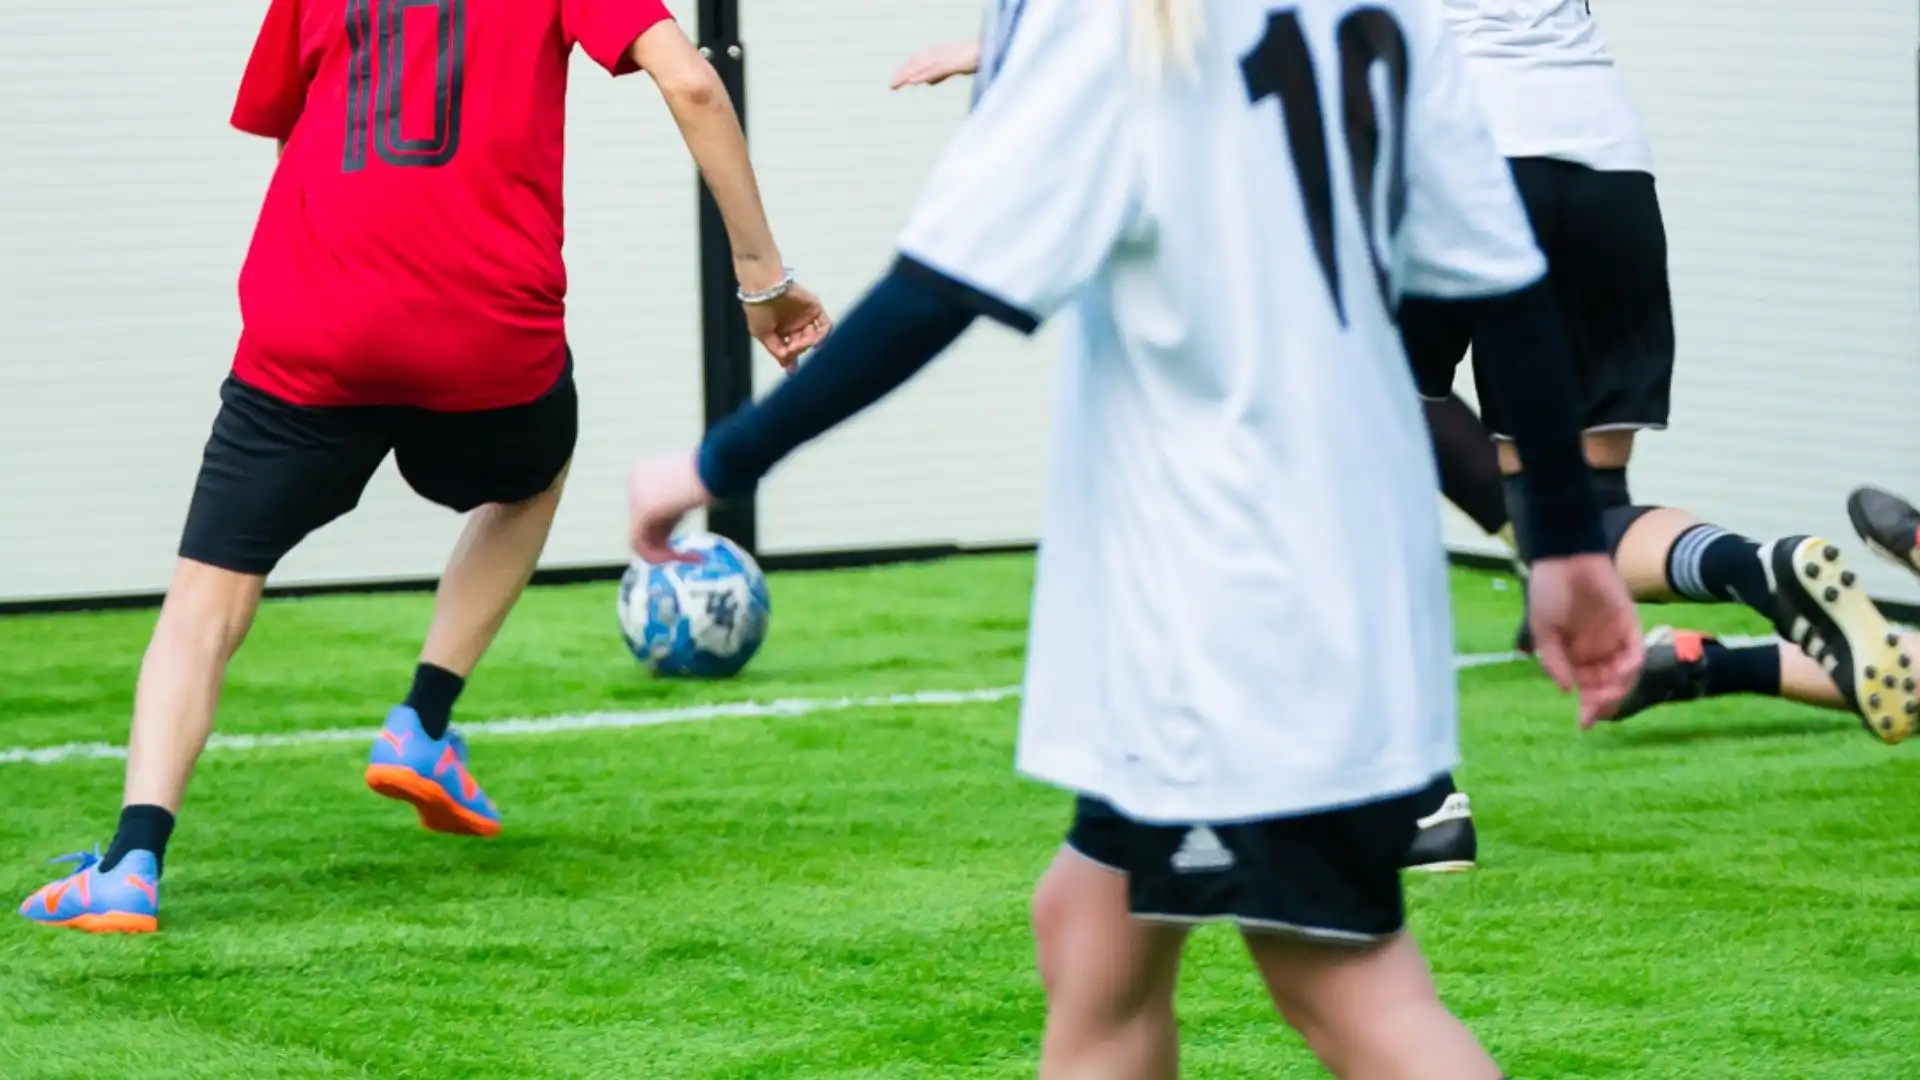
{"x":661,"y":491}
{"x":789,"y":326}
{"x":938,"y":64}
{"x":1586,"y":631}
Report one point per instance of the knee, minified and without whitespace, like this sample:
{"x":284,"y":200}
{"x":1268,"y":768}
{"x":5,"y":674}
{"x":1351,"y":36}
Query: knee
{"x":1052,"y":926}
{"x":208,"y":611}
{"x":1093,"y":964}
{"x":1303,"y":1014}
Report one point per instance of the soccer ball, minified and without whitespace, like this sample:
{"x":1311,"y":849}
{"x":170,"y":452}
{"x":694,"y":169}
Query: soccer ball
{"x":702,"y":619}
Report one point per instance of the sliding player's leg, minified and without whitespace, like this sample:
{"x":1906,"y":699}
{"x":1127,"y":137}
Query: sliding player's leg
{"x":1606,"y":246}
{"x":1684,"y":665}
{"x":272,"y":473}
{"x":1322,"y":913}
{"x":1687,"y":665}
{"x":1798,"y":583}
{"x":1109,"y":977}
{"x":1667,"y":554}
{"x":507,"y":467}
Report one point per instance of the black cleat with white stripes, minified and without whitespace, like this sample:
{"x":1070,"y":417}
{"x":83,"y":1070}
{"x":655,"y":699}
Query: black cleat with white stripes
{"x":1888,"y":524}
{"x":1446,"y":842}
{"x":1822,"y":609}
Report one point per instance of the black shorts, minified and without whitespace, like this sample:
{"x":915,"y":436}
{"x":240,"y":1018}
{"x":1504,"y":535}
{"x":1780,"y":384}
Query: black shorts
{"x":274,"y":472}
{"x":1332,"y":876}
{"x":1606,"y":248}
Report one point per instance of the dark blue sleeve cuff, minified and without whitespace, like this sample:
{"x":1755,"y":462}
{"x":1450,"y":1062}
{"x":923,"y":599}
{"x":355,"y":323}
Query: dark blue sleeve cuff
{"x":970,"y":297}
{"x":904,"y":322}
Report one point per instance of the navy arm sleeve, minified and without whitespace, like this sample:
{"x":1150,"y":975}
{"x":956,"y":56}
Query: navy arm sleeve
{"x":1521,"y":337}
{"x":907,"y":320}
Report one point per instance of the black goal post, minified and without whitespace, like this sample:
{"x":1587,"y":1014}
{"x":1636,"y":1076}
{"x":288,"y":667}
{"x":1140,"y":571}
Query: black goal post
{"x":727,"y":350}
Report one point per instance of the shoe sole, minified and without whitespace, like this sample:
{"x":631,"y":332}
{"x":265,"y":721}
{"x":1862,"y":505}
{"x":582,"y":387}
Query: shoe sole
{"x":1824,"y":600}
{"x":436,"y":808}
{"x":112,"y":922}
{"x":1457,"y":866}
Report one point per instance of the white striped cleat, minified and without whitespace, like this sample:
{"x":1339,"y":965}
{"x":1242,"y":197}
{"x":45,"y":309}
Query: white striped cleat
{"x":1823,"y":610}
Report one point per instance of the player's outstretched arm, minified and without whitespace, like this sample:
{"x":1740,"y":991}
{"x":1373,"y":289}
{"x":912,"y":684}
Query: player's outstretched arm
{"x":938,"y":64}
{"x":785,"y":317}
{"x":907,"y":320}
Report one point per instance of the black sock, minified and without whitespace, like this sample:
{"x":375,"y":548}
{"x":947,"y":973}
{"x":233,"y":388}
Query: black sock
{"x":142,"y":828}
{"x":1708,"y":563}
{"x":1750,"y":669}
{"x":435,"y":689}
{"x":1469,"y":467}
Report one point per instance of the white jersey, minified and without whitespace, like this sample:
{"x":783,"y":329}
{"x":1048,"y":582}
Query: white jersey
{"x":1549,"y":84}
{"x":1242,"y":609}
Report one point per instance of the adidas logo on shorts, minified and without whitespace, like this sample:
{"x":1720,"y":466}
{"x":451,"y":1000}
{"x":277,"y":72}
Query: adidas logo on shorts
{"x":1201,"y":851}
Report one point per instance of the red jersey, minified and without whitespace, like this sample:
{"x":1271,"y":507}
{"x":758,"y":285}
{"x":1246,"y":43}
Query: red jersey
{"x":408,"y":251}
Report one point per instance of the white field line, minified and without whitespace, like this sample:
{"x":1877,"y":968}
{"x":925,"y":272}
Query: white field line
{"x":550,"y":725}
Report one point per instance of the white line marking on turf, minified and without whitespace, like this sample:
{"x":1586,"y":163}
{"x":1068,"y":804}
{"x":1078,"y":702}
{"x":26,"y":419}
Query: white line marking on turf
{"x":550,"y":725}
{"x":544,"y":725}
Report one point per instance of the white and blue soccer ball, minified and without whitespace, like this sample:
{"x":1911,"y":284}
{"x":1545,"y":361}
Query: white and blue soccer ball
{"x":701,"y":619}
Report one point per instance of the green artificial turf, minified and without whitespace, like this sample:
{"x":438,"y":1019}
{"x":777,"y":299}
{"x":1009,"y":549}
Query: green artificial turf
{"x":1725,"y":890}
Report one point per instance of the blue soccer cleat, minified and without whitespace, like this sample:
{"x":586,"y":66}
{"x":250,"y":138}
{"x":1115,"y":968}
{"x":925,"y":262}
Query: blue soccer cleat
{"x":432,"y":775}
{"x":124,"y":900}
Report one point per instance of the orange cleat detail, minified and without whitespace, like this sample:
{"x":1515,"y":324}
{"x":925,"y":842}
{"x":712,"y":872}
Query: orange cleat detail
{"x":1690,"y":646}
{"x":437,"y":810}
{"x":111,"y":922}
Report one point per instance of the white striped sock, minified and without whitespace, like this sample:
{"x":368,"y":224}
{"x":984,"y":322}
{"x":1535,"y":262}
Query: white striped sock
{"x":1683,"y":562}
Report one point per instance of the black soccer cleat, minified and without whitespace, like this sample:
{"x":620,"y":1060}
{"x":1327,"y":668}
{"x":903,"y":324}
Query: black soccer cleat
{"x":1822,"y":609}
{"x":1888,"y":523}
{"x":1675,"y":670}
{"x":1446,"y":843}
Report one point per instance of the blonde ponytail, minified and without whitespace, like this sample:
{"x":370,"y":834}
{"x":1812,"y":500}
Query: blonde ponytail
{"x":1167,"y":35}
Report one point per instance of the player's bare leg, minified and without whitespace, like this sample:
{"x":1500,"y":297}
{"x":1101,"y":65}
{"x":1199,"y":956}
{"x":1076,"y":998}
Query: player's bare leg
{"x":1370,"y":1012}
{"x":1109,"y":978}
{"x":489,"y":569}
{"x":419,"y":759}
{"x":202,"y":623}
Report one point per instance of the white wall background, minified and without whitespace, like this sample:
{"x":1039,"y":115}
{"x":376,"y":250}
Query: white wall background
{"x":958,"y":455}
{"x":1790,"y":170}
